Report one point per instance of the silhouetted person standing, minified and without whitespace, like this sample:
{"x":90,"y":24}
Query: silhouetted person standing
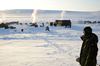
{"x":47,"y":28}
{"x":89,"y":48}
{"x":22,"y":30}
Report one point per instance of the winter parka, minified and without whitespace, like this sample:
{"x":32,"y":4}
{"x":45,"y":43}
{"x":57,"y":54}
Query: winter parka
{"x":89,"y":50}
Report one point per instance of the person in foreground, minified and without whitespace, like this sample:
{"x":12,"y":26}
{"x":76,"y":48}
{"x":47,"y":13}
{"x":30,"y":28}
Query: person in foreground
{"x":89,"y":48}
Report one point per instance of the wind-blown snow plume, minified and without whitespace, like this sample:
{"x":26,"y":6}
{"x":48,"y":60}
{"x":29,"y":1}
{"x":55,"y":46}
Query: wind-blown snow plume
{"x":34,"y":15}
{"x":62,"y":14}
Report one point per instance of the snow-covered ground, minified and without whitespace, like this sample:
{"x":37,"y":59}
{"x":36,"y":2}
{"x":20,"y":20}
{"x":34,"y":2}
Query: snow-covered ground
{"x":36,"y":47}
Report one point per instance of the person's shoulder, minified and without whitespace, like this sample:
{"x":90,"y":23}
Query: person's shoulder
{"x":94,"y":37}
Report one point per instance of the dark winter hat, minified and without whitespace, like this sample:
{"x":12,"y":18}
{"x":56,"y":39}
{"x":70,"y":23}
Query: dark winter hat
{"x":88,"y":30}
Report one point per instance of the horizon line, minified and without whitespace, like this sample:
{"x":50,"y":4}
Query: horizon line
{"x":51,"y":10}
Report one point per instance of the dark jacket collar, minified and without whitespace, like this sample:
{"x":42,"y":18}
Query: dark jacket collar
{"x":83,"y":37}
{"x":91,"y":37}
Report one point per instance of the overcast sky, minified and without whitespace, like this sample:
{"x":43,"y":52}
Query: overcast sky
{"x":71,"y":5}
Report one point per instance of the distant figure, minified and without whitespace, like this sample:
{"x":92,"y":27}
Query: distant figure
{"x":89,"y":48}
{"x":22,"y":30}
{"x":47,"y":28}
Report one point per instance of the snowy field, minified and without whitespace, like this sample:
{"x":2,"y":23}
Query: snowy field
{"x":36,"y":47}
